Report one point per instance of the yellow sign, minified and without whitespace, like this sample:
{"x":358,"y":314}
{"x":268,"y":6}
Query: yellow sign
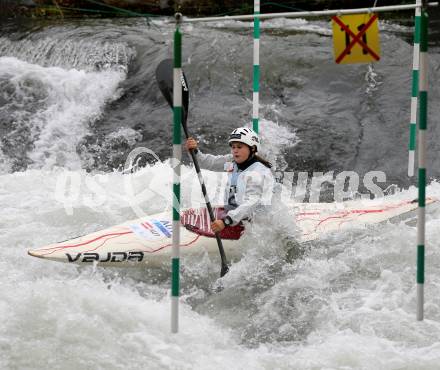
{"x":356,"y":38}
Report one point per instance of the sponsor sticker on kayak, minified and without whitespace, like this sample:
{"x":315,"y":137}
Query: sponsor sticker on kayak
{"x":152,"y":229}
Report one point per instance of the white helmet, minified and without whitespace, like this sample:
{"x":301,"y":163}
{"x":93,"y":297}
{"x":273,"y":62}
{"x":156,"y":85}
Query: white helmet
{"x":245,"y":135}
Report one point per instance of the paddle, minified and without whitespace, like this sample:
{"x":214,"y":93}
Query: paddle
{"x":164,"y":78}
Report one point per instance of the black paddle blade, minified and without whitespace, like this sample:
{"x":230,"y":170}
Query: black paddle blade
{"x":164,"y":78}
{"x":224,"y":270}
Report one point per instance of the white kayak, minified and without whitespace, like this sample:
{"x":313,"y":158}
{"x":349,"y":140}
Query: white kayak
{"x":148,"y":239}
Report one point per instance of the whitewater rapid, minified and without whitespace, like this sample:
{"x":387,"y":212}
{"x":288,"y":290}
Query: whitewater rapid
{"x":349,"y":302}
{"x":345,"y":301}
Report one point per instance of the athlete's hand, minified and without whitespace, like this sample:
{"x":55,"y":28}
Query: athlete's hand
{"x":217,"y":226}
{"x":190,"y":144}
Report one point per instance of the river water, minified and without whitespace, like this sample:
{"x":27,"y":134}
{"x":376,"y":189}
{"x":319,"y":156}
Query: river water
{"x":79,"y":96}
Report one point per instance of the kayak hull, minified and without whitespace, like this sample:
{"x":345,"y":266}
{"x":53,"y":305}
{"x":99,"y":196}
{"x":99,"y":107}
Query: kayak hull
{"x":148,"y":240}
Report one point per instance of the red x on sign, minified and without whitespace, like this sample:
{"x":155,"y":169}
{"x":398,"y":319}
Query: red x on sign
{"x":359,"y":38}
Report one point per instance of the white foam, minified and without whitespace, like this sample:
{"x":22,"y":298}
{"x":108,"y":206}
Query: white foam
{"x":61,"y":51}
{"x":349,"y":302}
{"x":288,"y":24}
{"x":69,"y":101}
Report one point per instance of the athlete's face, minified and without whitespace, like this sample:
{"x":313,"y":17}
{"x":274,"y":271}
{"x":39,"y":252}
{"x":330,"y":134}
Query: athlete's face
{"x":240,"y":152}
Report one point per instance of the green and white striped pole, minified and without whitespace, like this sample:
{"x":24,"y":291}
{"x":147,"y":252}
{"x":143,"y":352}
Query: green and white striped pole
{"x":256,"y":69}
{"x":423,"y":122}
{"x":414,"y":92}
{"x":177,"y":156}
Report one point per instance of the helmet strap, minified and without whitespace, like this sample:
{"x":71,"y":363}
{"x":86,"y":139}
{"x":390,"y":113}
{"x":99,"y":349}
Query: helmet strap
{"x":252,"y":152}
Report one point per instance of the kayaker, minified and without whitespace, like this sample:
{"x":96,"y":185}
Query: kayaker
{"x":250,"y":180}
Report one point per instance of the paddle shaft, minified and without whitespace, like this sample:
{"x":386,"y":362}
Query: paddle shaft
{"x":164,"y":71}
{"x":225,"y":267}
{"x":193,"y":154}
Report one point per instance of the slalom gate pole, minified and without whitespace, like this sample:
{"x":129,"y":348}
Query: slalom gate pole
{"x":414,"y":92}
{"x":256,"y":69}
{"x":423,"y":122}
{"x":177,"y":157}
